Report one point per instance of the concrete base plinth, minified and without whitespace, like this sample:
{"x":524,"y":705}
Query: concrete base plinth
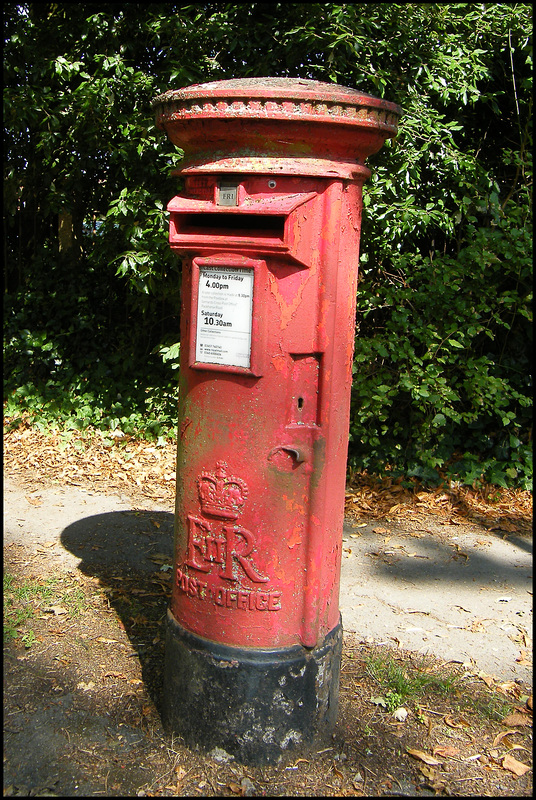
{"x":260,"y":706}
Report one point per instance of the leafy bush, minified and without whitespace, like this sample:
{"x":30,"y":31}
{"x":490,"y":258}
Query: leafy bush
{"x":443,"y":356}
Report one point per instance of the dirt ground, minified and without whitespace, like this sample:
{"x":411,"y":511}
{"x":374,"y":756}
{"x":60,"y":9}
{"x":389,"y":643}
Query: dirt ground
{"x":83,"y":662}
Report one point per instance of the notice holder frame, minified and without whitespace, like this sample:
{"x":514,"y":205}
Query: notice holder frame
{"x":221,"y":262}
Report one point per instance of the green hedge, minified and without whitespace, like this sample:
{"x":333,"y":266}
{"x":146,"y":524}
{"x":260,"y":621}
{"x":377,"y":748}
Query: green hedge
{"x":443,"y":338}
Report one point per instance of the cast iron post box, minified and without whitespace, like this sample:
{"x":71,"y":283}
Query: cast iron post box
{"x":268,"y":224}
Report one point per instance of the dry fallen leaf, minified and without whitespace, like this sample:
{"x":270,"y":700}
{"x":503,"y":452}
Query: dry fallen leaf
{"x":508,"y":687}
{"x":451,"y":722}
{"x":422,"y":756}
{"x":379,"y":701}
{"x":515,"y":719}
{"x":519,"y":747}
{"x":439,"y":786}
{"x":503,"y":735}
{"x":460,"y":552}
{"x":35,"y":501}
{"x":513,"y":765}
{"x":523,"y":659}
{"x":357,"y":783}
{"x":337,"y":772}
{"x":428,"y":772}
{"x":56,"y":610}
{"x":488,"y":679}
{"x":161,"y":558}
{"x":86,"y":687}
{"x":445,"y":750}
{"x":508,"y":526}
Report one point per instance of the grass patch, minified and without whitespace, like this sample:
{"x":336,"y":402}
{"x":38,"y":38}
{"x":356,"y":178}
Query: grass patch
{"x":24,"y":598}
{"x":410,"y":682}
{"x":402,"y":681}
{"x":493,"y":707}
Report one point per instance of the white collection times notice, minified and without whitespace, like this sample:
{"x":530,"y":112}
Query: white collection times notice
{"x":224,"y":317}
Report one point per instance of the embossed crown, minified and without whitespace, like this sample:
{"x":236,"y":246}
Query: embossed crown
{"x":221,"y":495}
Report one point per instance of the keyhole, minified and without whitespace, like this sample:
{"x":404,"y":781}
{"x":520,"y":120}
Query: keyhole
{"x":300,"y":402}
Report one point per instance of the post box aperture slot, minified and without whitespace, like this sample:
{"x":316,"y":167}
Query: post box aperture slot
{"x":226,"y":224}
{"x":224,"y":333}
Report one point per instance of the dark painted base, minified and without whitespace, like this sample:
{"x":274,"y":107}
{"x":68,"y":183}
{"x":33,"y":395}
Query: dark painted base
{"x":260,"y":706}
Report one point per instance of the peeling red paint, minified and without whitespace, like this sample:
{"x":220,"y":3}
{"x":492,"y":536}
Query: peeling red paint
{"x":272,"y":204}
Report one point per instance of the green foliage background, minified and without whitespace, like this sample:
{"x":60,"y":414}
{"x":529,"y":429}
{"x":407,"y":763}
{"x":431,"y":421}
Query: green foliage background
{"x":443,"y":346}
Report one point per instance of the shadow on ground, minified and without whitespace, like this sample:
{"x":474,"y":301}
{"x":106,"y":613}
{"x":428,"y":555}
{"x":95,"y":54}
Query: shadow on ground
{"x":454,"y":562}
{"x":131,"y":553}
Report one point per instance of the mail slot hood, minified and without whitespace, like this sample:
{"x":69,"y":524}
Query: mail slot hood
{"x":275,"y":204}
{"x":265,"y":224}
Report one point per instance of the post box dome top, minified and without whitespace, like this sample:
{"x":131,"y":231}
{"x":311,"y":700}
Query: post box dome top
{"x":273,"y":98}
{"x":286,"y":125}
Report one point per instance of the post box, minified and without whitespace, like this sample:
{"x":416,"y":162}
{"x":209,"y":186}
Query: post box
{"x":268,"y":224}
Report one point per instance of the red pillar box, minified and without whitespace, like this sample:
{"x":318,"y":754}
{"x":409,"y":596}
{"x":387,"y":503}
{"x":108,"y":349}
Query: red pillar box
{"x":268,"y":225}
